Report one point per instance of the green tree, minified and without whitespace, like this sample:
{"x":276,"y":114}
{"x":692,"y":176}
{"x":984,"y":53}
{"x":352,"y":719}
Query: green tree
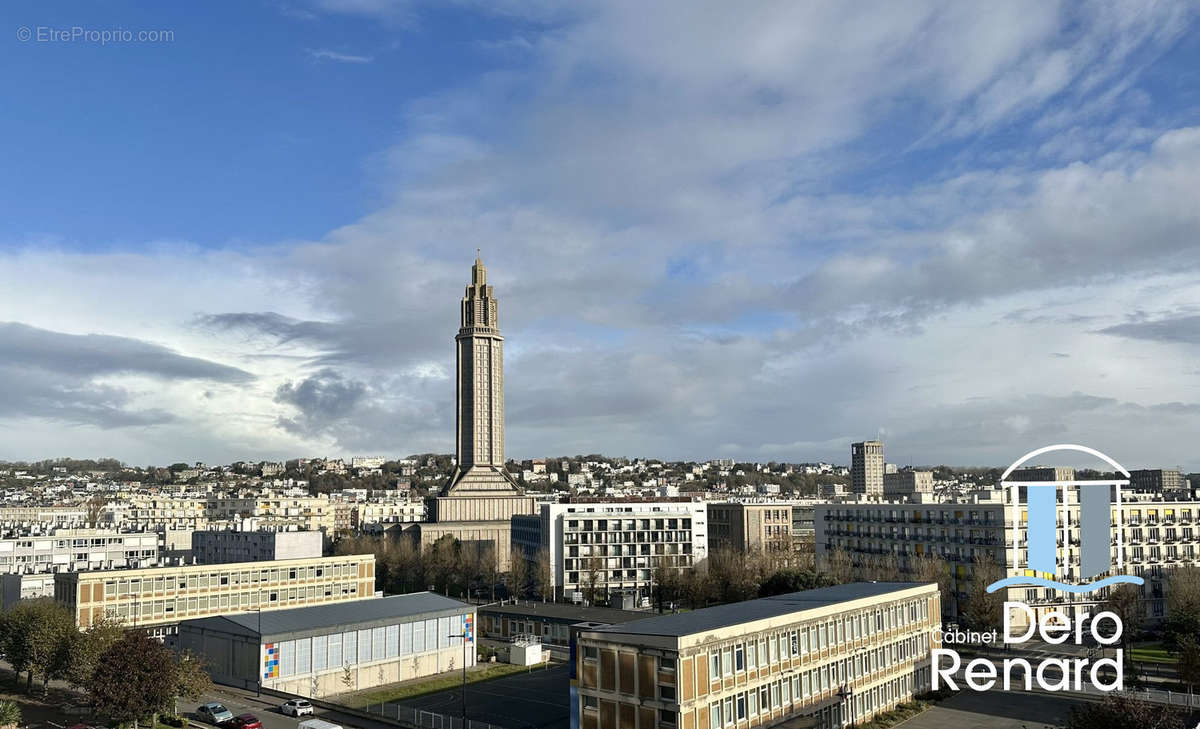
{"x":191,"y":680}
{"x":37,"y":635}
{"x":86,"y":648}
{"x":135,"y":678}
{"x":10,"y":714}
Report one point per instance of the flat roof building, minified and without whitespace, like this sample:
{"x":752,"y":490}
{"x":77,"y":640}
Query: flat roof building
{"x":866,"y":467}
{"x":548,"y":621}
{"x":328,"y":649}
{"x":750,"y":527}
{"x":837,"y":654}
{"x":220,"y":546}
{"x":160,"y":597}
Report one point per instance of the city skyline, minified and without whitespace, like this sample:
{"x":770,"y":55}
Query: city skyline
{"x":806,"y":245}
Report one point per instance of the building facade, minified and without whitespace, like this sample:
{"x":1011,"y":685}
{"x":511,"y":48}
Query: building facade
{"x":866,"y":468}
{"x":838,"y":655}
{"x":79,"y":549}
{"x":331,"y":649}
{"x":221,"y":546}
{"x":1154,"y":537}
{"x":1157,"y":481}
{"x":158,"y":598}
{"x":750,"y":527}
{"x":601,"y":551}
{"x":907,"y":482}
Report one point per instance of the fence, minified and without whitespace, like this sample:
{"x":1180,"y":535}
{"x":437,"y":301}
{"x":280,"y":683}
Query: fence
{"x":425,"y":719}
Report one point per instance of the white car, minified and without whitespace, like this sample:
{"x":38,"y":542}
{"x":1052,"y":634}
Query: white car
{"x":296,"y":707}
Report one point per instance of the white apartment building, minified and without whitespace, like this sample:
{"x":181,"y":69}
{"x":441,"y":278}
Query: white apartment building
{"x":1154,"y":536}
{"x":613,"y":548}
{"x":78,"y":549}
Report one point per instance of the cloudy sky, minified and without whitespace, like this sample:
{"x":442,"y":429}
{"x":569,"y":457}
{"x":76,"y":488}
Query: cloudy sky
{"x":751,"y":230}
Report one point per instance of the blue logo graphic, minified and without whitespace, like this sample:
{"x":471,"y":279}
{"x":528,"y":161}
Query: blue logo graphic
{"x":1043,"y":538}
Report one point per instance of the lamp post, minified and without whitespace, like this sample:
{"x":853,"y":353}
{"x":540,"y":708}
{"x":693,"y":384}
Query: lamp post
{"x":846,"y":694}
{"x":258,"y":660}
{"x":464,"y":635}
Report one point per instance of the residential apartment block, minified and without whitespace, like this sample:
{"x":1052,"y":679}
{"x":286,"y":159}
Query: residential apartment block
{"x":603,"y":550}
{"x":750,"y":527}
{"x":160,"y":597}
{"x":220,"y":546}
{"x":866,"y":468}
{"x":78,"y":549}
{"x":1154,"y":537}
{"x":837,"y":655}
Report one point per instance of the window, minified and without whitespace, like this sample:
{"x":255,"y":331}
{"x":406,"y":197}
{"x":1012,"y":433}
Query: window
{"x":739,"y":658}
{"x":726,"y":662}
{"x":714,"y":715}
{"x":727,"y":711}
{"x":666,"y":693}
{"x":752,"y":655}
{"x":664,"y":716}
{"x":714,"y":665}
{"x":590,"y":702}
{"x":741,"y":707}
{"x":590,"y":653}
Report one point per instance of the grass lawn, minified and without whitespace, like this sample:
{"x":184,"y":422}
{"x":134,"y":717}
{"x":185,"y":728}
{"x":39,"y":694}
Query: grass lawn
{"x":903,"y":712}
{"x":1151,"y":653}
{"x":421,"y":687}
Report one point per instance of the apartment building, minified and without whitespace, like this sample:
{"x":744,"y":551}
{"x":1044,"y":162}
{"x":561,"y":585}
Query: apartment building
{"x":220,"y":546}
{"x":750,"y":527}
{"x":78,"y":549}
{"x":1154,"y":536}
{"x":377,"y":515}
{"x":905,"y":482}
{"x":19,"y":517}
{"x":160,"y":597}
{"x":836,"y":655}
{"x":1157,"y":481}
{"x":866,"y":468}
{"x":601,"y":550}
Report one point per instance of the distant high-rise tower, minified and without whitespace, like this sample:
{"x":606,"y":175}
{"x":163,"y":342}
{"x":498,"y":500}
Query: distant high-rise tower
{"x":480,"y":498}
{"x":480,"y":396}
{"x":866,"y":468}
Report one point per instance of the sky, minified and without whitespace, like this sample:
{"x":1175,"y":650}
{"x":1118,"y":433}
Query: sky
{"x":716,"y":230}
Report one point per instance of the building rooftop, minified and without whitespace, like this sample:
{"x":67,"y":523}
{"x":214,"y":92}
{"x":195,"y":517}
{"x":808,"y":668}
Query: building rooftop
{"x":724,"y":616}
{"x":319,"y":618}
{"x":577,"y":613}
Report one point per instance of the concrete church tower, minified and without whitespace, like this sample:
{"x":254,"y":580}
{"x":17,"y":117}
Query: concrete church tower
{"x":478,"y":502}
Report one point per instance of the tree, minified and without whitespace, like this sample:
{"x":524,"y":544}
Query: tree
{"x":543,"y":578}
{"x":134,"y":678}
{"x":984,"y":610}
{"x":1183,"y":605}
{"x":518,"y":574}
{"x":1125,"y":601}
{"x":932,"y":568}
{"x":86,"y":648}
{"x":592,"y":571}
{"x":839,"y":566}
{"x":785,"y":581}
{"x":37,"y":636}
{"x":191,"y":680}
{"x":10,"y":714}
{"x":1122,"y":711}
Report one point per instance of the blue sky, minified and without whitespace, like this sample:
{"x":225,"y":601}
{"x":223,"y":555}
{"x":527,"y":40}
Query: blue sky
{"x":757,"y":231}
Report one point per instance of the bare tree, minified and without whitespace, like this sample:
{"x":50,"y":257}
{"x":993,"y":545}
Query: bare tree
{"x":839,"y":565}
{"x":543,"y":577}
{"x":985,"y":610}
{"x":518,"y":574}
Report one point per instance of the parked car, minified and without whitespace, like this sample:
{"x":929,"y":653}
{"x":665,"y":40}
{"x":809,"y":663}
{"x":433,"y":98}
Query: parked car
{"x":244,"y":721}
{"x":214,"y":713}
{"x":317,"y":724}
{"x":296,"y":707}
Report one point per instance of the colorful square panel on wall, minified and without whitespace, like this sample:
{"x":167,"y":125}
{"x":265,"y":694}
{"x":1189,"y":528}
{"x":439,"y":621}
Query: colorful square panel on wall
{"x":270,"y":660}
{"x":469,"y":627}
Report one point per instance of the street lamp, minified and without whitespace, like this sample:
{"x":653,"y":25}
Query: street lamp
{"x":846,"y":694}
{"x":464,"y":635}
{"x":258,"y":660}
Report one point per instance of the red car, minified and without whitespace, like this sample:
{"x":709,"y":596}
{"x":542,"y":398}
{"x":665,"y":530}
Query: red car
{"x":243,"y":721}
